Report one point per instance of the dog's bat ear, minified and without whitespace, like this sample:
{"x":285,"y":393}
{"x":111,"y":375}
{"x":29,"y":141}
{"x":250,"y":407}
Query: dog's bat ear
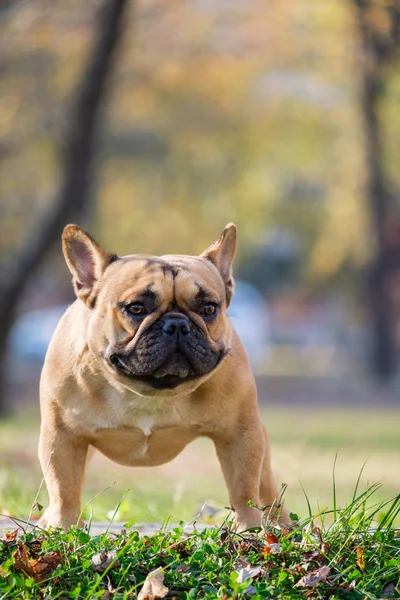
{"x":86,"y":261}
{"x":222,"y":253}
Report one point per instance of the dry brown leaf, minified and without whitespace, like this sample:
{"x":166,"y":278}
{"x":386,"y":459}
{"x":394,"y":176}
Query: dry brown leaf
{"x":325,"y":548}
{"x":153,"y":586}
{"x":244,"y":547}
{"x":314,"y":578}
{"x":45,"y":565}
{"x":272,"y":546}
{"x":271,"y":538}
{"x":311,"y":555}
{"x":22,"y":561}
{"x":183,"y":568}
{"x":9,"y":536}
{"x":102,"y":561}
{"x":38,"y":569}
{"x":360,"y":558}
{"x":272,"y":549}
{"x":224,"y":534}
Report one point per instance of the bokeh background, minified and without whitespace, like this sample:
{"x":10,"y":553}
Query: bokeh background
{"x":153,"y":123}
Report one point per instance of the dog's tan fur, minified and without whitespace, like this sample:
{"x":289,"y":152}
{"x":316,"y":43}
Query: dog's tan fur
{"x":86,"y":402}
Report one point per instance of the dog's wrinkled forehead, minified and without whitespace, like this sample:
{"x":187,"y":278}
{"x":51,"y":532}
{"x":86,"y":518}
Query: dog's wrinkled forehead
{"x":176,"y":278}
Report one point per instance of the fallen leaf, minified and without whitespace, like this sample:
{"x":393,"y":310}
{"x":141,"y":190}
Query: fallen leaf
{"x":103,"y":560}
{"x":325,"y":548}
{"x":244,"y":547}
{"x":153,"y":586}
{"x":9,"y":536}
{"x":44,"y":565}
{"x":110,"y":591}
{"x":224,"y":534}
{"x":179,"y":547}
{"x":314,"y":578}
{"x":317,"y":531}
{"x":241,"y":562}
{"x":312,"y":555}
{"x":247,"y":573}
{"x":360,"y":558}
{"x":22,"y":561}
{"x":323,"y":545}
{"x":183,"y":568}
{"x":35,"y":547}
{"x":271,"y":538}
{"x":39,"y":568}
{"x":272,"y":548}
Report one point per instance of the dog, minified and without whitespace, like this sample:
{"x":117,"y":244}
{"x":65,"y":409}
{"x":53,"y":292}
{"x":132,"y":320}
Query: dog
{"x":142,"y":363}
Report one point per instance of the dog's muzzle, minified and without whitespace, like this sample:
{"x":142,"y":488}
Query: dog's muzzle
{"x":171,"y":351}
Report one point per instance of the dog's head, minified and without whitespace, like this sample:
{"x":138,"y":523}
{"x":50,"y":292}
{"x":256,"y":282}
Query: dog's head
{"x":158,"y":324}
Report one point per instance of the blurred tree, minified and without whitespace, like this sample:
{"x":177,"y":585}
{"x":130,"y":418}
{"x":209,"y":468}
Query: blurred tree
{"x":246,"y":111}
{"x":378,"y":25}
{"x":77,"y":159}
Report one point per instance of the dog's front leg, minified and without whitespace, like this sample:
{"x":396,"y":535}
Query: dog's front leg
{"x":241,"y":456}
{"x":63,"y":459}
{"x":270,"y":498}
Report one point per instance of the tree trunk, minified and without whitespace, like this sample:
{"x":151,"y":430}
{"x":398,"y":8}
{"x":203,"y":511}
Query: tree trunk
{"x":77,"y":160}
{"x":383,"y":350}
{"x":378,"y":50}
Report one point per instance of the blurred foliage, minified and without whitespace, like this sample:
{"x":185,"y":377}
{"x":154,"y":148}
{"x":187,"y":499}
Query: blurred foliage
{"x":220,"y":111}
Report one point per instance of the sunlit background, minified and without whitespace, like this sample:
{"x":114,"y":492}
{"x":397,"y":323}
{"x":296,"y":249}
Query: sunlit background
{"x":282,"y":116}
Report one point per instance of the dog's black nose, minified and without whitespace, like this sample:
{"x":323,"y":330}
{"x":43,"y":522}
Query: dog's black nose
{"x":174,"y":326}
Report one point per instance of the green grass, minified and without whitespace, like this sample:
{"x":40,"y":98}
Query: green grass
{"x":351,"y":558}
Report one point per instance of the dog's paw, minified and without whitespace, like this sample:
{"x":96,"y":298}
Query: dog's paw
{"x":246,"y":519}
{"x":279,"y":515}
{"x":55,"y":518}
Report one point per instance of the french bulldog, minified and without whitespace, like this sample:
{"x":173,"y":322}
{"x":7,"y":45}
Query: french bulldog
{"x":142,"y":363}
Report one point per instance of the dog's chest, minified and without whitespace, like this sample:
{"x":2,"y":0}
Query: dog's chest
{"x":141,"y":432}
{"x":146,"y":423}
{"x":149,"y":441}
{"x":114,"y":411}
{"x":138,"y":447}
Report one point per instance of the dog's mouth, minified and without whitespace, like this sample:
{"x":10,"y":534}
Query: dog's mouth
{"x":166,"y":382}
{"x":175,"y":371}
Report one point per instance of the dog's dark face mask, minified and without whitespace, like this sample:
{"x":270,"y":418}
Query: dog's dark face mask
{"x":170,"y":352}
{"x":156,"y":323}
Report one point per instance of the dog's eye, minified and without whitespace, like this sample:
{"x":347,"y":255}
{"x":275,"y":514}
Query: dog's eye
{"x":209,"y":309}
{"x":136,"y":308}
